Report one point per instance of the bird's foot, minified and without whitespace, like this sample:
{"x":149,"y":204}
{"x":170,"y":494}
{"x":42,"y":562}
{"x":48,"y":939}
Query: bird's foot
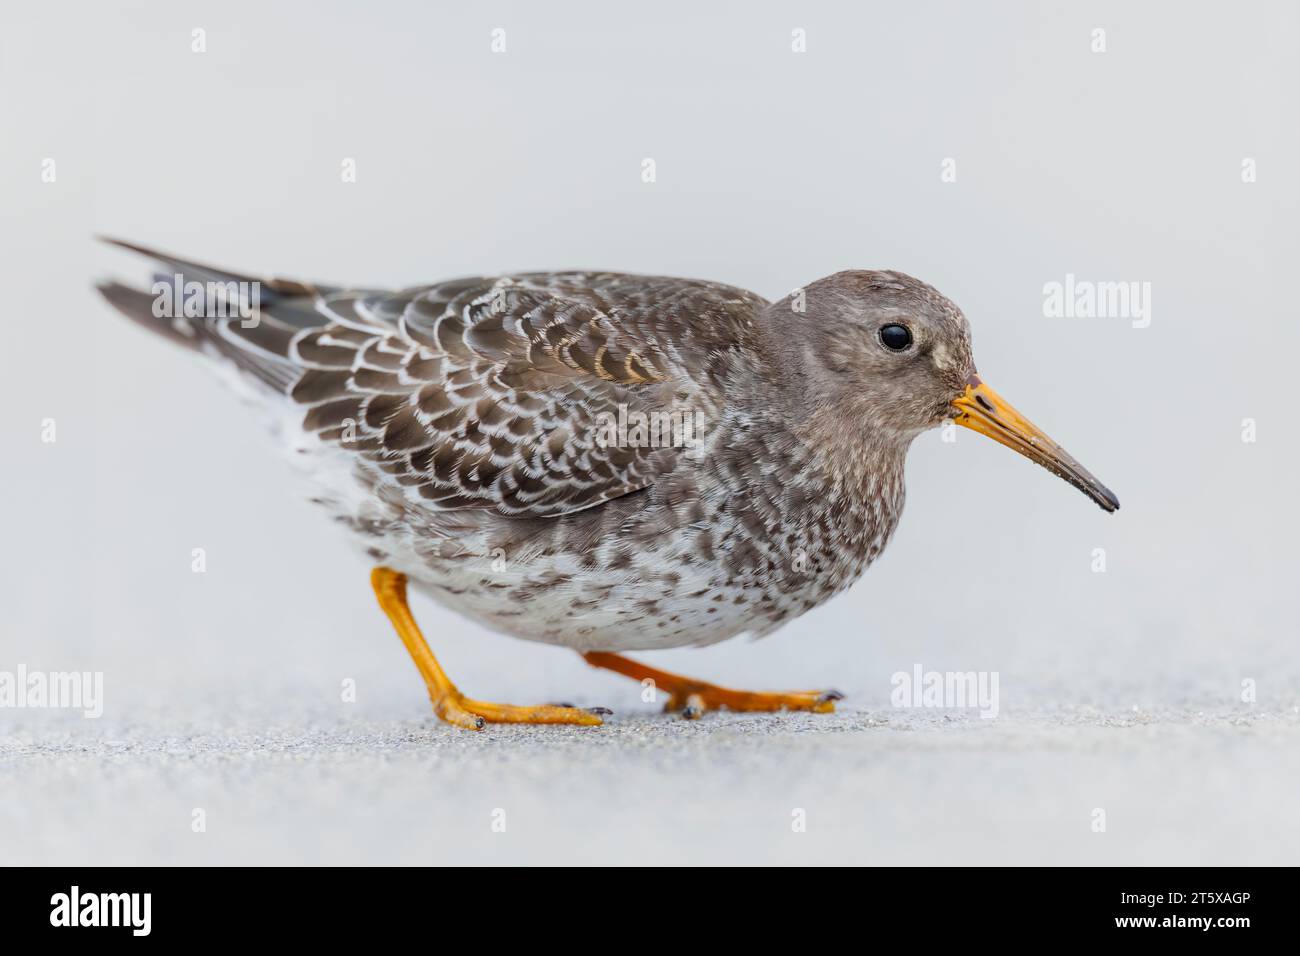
{"x":448,"y":702}
{"x":693,"y":697}
{"x":455,"y":708}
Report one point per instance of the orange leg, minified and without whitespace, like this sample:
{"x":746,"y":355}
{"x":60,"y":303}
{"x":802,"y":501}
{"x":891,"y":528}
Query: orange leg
{"x":448,"y":702}
{"x":693,"y":697}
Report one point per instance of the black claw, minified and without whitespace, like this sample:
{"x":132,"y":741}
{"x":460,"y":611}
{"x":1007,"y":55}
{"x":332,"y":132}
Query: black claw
{"x":599,"y":711}
{"x":691,"y":713}
{"x":831,"y":695}
{"x":479,"y":723}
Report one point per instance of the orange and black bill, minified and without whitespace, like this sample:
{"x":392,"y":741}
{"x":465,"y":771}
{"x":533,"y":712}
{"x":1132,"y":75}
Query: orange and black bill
{"x":983,"y":410}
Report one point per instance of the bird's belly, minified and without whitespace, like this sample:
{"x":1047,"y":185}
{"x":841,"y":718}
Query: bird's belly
{"x":555,"y":600}
{"x":604,"y":598}
{"x":662,"y":595}
{"x":645,"y":580}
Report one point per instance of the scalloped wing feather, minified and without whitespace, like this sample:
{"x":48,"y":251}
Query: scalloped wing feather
{"x":491,"y":393}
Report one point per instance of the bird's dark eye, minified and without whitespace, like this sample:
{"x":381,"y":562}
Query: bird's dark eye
{"x":895,"y":337}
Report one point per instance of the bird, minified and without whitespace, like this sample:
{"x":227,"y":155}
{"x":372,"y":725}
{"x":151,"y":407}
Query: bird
{"x":600,"y":461}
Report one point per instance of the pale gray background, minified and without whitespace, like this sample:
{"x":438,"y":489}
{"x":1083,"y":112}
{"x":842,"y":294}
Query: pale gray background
{"x":1119,"y":690}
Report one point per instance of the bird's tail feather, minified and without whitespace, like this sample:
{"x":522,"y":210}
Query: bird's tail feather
{"x":251,"y":322}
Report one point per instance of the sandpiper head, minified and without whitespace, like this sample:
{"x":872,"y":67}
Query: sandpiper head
{"x":896,"y":355}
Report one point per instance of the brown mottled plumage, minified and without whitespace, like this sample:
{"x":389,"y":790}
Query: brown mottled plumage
{"x":456,"y":428}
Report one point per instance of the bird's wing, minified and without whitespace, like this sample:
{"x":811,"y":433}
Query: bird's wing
{"x":492,"y":393}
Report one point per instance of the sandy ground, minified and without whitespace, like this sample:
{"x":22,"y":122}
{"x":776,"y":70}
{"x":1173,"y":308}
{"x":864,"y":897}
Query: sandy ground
{"x":856,"y":787}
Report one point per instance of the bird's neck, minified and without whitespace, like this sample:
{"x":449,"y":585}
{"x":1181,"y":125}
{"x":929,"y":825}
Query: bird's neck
{"x":845,"y":471}
{"x":848,"y":460}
